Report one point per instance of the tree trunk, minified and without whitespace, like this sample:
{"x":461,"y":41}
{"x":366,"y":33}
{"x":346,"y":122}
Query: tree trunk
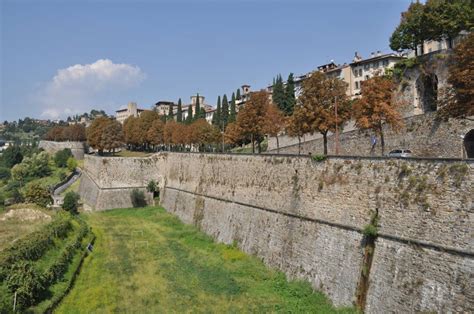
{"x":325,"y":139}
{"x":253,"y":145}
{"x":278,"y":145}
{"x":299,"y":145}
{"x":382,"y":142}
{"x":449,"y":42}
{"x":259,"y":147}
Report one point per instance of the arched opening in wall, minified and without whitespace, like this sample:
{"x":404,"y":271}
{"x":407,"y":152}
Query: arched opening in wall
{"x":427,"y":88}
{"x":469,"y":143}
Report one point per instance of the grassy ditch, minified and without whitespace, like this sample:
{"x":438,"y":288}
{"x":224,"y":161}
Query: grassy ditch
{"x":39,"y":266}
{"x":146,"y":261}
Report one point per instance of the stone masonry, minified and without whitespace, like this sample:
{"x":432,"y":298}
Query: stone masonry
{"x":51,"y":147}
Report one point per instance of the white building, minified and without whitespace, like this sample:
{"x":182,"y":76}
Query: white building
{"x":132,"y":110}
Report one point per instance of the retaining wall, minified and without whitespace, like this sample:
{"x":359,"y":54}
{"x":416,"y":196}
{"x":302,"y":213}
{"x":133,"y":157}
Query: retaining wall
{"x":51,"y":147}
{"x":306,"y":218}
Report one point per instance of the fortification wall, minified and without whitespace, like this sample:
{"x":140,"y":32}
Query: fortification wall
{"x":306,"y":218}
{"x":51,"y":147}
{"x":423,"y":135}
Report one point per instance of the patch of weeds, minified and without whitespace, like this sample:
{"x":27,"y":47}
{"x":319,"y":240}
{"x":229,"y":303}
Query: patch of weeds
{"x":370,"y":230}
{"x":458,"y":171}
{"x":337,"y":167}
{"x":318,"y":158}
{"x":378,"y":188}
{"x":358,"y":167}
{"x":405,"y":198}
{"x":405,"y":170}
{"x":387,"y":179}
{"x":320,"y":186}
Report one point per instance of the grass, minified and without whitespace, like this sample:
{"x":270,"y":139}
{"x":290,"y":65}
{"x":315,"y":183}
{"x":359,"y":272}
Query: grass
{"x":73,"y":187}
{"x":147,"y":261}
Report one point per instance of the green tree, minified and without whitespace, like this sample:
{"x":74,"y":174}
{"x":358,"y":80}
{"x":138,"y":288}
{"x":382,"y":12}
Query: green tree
{"x":197,"y":109}
{"x":24,"y":279}
{"x":12,"y":156}
{"x":138,"y":198}
{"x":37,"y":194}
{"x":71,"y":202}
{"x":278,"y":93}
{"x":61,"y":157}
{"x":216,"y":118}
{"x":170,"y":112}
{"x":179,"y":113}
{"x":5,"y":173}
{"x":238,"y":97}
{"x":412,"y":30}
{"x":71,"y":163}
{"x":233,"y":114}
{"x":224,"y":112}
{"x":189,"y":118}
{"x":290,"y":99}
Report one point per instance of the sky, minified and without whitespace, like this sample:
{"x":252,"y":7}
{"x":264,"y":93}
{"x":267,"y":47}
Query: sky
{"x":64,"y":57}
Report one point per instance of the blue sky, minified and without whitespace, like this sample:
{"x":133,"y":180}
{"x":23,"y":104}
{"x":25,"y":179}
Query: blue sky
{"x":65,"y":57}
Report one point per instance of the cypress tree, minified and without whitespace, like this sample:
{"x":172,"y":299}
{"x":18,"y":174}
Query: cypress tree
{"x":179,"y":114}
{"x":238,"y":97}
{"x":225,"y":112}
{"x":279,"y":93}
{"x":290,"y":98}
{"x":189,"y":118}
{"x":232,"y":114}
{"x":197,"y":111}
{"x":216,"y":118}
{"x":170,"y":112}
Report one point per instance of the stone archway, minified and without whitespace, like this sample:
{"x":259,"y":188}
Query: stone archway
{"x":427,"y":89}
{"x":469,"y":143}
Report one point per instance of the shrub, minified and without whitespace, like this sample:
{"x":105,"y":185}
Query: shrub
{"x":62,"y":175}
{"x":370,"y":230}
{"x":319,"y":157}
{"x":138,"y":198}
{"x":61,"y":157}
{"x":17,"y":197}
{"x":71,"y":202}
{"x":25,"y":280}
{"x":5,"y":173}
{"x":71,"y":163}
{"x":12,"y":156}
{"x":38,"y":194}
{"x":151,"y":187}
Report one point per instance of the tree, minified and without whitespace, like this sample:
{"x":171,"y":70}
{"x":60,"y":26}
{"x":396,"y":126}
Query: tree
{"x":224,"y":112}
{"x":168,"y":130}
{"x":297,"y":125}
{"x":274,"y":123}
{"x":377,"y":107}
{"x":233,"y":134}
{"x":411,"y":31}
{"x":107,"y":134}
{"x":216,"y":118}
{"x":278,"y":95}
{"x":70,"y":202}
{"x":94,"y":133}
{"x":12,"y":156}
{"x":138,"y":198}
{"x":155,"y":133}
{"x":232,"y":115}
{"x":446,"y":19}
{"x":197,"y":109}
{"x":251,"y":118}
{"x":170,"y":112}
{"x":189,"y":117}
{"x":319,"y":96}
{"x":238,"y":97}
{"x":179,"y":113}
{"x":61,"y":157}
{"x":37,"y":194}
{"x":112,"y":135}
{"x":5,"y":173}
{"x":290,"y":99}
{"x":461,"y":74}
{"x":71,"y":163}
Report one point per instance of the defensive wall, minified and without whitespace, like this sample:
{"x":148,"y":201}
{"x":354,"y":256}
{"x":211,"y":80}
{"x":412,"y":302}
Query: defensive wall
{"x":423,"y":134}
{"x":51,"y":147}
{"x":307,"y":218}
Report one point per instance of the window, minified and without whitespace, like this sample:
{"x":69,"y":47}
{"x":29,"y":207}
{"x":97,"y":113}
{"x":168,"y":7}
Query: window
{"x":367,"y":66}
{"x":356,"y":85}
{"x":360,"y":72}
{"x":385,"y":62}
{"x":366,"y":77}
{"x":376,"y":65}
{"x":356,"y":72}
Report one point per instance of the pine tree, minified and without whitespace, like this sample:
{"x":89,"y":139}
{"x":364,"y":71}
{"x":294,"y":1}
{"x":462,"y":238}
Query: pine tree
{"x":189,"y":118}
{"x":238,"y":97}
{"x":179,"y":114}
{"x":216,"y":118}
{"x":197,"y":111}
{"x":290,"y":98}
{"x":232,"y":114}
{"x":170,"y":112}
{"x":279,"y":93}
{"x":225,"y":112}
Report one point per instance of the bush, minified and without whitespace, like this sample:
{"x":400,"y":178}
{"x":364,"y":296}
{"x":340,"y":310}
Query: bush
{"x":318,"y":158}
{"x":5,"y":173}
{"x":151,"y":187}
{"x":61,"y":157}
{"x":17,"y":197}
{"x":25,"y":280}
{"x":35,"y":166}
{"x":71,"y":202}
{"x":71,"y":163}
{"x":138,"y":198}
{"x":62,"y":175}
{"x":38,"y":194}
{"x":370,"y":230}
{"x":12,"y":156}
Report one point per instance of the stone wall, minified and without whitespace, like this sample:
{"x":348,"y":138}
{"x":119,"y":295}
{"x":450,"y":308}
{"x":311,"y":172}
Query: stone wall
{"x":51,"y":147}
{"x":306,"y":218}
{"x":423,"y":135}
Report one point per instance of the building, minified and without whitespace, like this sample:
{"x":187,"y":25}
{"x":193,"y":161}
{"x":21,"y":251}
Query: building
{"x":202,"y":104}
{"x":363,"y":69}
{"x":163,"y":107}
{"x":131,"y":111}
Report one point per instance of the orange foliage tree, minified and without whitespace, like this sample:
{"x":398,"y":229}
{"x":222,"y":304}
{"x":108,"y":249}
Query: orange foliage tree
{"x":297,"y":125}
{"x":377,"y":107}
{"x":274,"y":123}
{"x":104,"y":134}
{"x":318,"y":99}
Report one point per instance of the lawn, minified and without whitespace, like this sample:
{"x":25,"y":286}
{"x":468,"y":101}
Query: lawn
{"x":147,"y":261}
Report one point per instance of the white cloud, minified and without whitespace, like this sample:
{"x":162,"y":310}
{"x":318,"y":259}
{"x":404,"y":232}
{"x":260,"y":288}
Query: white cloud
{"x":79,"y":88}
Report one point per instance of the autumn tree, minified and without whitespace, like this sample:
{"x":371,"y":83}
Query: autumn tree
{"x":297,"y":125}
{"x":377,"y":107}
{"x":274,"y":123}
{"x":155,"y":133}
{"x":233,"y":134}
{"x":319,"y":97}
{"x":104,"y":134}
{"x":251,"y":118}
{"x":461,"y":77}
{"x":168,"y":130}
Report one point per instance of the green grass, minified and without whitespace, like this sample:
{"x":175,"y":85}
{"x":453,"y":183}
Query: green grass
{"x":128,"y":153}
{"x":73,"y":187}
{"x":147,"y":261}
